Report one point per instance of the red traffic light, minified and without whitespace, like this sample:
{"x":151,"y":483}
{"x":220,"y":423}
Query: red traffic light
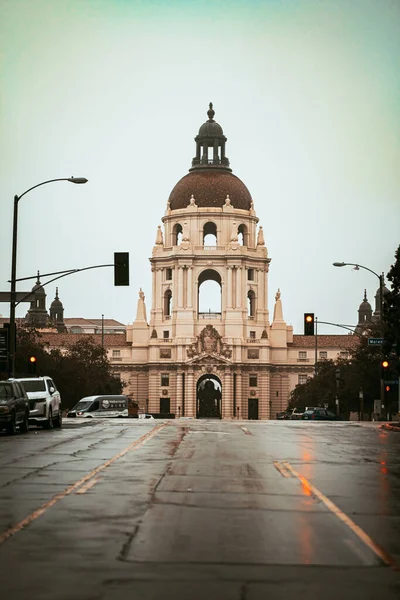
{"x":387,"y":388}
{"x":385,"y":364}
{"x":32,"y":359}
{"x":308,"y":323}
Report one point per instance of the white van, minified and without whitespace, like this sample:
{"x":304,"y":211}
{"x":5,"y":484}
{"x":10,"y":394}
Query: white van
{"x":100,"y":406}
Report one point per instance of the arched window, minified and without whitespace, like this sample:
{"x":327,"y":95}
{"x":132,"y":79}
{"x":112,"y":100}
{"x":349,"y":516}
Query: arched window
{"x":210,"y":234}
{"x":243,"y":235}
{"x":167,"y":303}
{"x":209,"y":294}
{"x":251,"y":304}
{"x":176,"y":234}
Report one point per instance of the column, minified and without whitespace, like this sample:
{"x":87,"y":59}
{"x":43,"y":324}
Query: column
{"x":189,"y":287}
{"x":185,"y":287}
{"x":153,"y":292}
{"x":229,"y":290}
{"x":239,"y":291}
{"x":154,"y":388}
{"x":190,"y":396}
{"x":239,"y":394}
{"x":180,"y":287}
{"x":178,"y":396}
{"x":158,"y":290}
{"x":227,"y":398}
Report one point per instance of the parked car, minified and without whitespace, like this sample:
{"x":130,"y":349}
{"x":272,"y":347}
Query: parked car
{"x":299,"y":412}
{"x":319,"y":414}
{"x":14,"y":407}
{"x":44,"y":401}
{"x":286,"y":414}
{"x":101,"y":406}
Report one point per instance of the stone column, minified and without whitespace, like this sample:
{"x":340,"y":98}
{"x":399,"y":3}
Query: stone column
{"x":158,"y":289}
{"x":229,"y":290}
{"x":189,"y":287}
{"x":178,"y":396}
{"x":239,"y":291}
{"x":154,"y":290}
{"x":190,"y":396}
{"x":154,"y":388}
{"x":263,"y":396}
{"x":180,"y":287}
{"x":227,"y":399}
{"x":239,"y":394}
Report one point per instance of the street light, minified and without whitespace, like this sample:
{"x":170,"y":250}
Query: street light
{"x":381,"y":283}
{"x":12,"y":331}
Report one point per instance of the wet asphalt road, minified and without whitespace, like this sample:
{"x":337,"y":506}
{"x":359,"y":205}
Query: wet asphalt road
{"x":200,"y":509}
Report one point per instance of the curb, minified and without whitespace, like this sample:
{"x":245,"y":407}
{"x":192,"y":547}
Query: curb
{"x":389,"y":427}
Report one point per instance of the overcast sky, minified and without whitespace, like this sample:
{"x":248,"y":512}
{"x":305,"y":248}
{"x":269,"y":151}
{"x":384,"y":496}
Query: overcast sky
{"x":308,"y":95}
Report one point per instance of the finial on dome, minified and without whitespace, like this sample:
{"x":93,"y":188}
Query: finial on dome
{"x":56,"y":293}
{"x":211,"y":112}
{"x":365,"y":296}
{"x":38,"y":278}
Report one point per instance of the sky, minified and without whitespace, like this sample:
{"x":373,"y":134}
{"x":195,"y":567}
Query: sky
{"x":307,"y":93}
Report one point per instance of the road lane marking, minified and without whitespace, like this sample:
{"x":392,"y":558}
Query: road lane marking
{"x":5,"y":535}
{"x":84,"y":488}
{"x":360,"y":533}
{"x":282,"y":469}
{"x":247,"y":432}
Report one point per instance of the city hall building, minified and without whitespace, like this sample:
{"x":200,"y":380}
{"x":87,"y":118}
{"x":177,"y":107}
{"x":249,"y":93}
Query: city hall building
{"x":239,"y":361}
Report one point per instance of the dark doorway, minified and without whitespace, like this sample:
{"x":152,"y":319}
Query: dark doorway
{"x":208,"y":397}
{"x":164,"y":406}
{"x":252,"y":406}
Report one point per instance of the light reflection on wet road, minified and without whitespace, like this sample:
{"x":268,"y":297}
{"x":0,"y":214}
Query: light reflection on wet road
{"x":195,"y":509}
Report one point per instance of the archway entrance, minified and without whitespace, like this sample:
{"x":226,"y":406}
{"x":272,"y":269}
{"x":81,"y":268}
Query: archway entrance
{"x":208,"y":397}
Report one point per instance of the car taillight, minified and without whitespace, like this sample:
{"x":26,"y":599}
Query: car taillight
{"x":313,"y":416}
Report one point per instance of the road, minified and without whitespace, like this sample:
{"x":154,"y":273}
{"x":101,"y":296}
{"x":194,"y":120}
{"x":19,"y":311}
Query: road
{"x":186,"y":509}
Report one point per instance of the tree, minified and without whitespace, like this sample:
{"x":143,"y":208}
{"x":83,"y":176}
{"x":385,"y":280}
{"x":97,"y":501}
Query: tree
{"x":391,"y":314}
{"x":82,"y":370}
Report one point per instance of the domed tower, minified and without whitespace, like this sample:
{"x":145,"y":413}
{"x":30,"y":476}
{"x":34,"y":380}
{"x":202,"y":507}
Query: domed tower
{"x":37,"y":314}
{"x":364,"y":315}
{"x":57,"y":314}
{"x":377,"y":312}
{"x":210,"y":237}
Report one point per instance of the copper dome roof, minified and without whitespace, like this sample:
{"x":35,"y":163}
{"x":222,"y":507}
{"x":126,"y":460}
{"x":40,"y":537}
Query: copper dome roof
{"x":210,"y":188}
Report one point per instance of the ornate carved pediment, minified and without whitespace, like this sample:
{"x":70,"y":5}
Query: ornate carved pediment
{"x":209,"y":342}
{"x":209,"y":359}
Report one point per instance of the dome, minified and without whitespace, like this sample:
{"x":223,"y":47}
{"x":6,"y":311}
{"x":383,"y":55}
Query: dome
{"x":210,"y":188}
{"x":38,"y":288}
{"x":365,"y":305}
{"x":211,"y":129}
{"x":56,"y":304}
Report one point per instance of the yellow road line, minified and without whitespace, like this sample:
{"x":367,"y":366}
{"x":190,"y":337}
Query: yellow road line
{"x":360,"y":533}
{"x":247,"y":432}
{"x":5,"y":535}
{"x":89,"y":484}
{"x":281,"y":468}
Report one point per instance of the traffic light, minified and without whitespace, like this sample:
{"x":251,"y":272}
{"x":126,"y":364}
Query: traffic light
{"x":308,"y":323}
{"x":387,"y":388}
{"x":32,"y":365}
{"x":385,"y":364}
{"x":121,"y":268}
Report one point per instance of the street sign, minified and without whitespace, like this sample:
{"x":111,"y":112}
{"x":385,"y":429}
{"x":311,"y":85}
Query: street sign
{"x":19,"y":297}
{"x":3,"y":344}
{"x":375,"y":341}
{"x":391,"y":382}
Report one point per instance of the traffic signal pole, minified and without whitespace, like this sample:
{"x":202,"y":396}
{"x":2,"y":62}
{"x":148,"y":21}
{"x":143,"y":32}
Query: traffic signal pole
{"x":316,"y":346}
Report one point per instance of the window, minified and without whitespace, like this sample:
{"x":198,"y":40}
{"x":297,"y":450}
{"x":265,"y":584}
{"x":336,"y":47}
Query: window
{"x":250,"y":274}
{"x":344,"y":354}
{"x":164,"y":380}
{"x":116,"y":353}
{"x":253,"y":335}
{"x":166,"y":335}
{"x":251,"y":297}
{"x":95,"y":406}
{"x":253,"y":380}
{"x":167,"y":303}
{"x":164,"y":406}
{"x":302,"y":379}
{"x":323,"y":355}
{"x":168,"y":274}
{"x":302,"y":355}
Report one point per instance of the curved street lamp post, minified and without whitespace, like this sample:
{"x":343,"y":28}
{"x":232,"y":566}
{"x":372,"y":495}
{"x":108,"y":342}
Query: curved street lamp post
{"x":12,"y":330}
{"x":381,"y":283}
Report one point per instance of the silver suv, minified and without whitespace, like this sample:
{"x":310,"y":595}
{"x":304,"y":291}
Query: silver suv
{"x":44,"y":401}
